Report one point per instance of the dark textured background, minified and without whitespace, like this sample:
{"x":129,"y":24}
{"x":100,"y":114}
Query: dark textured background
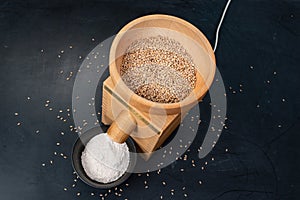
{"x":257,"y":39}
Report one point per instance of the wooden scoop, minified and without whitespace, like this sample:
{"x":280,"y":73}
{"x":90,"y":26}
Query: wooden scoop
{"x":121,"y":128}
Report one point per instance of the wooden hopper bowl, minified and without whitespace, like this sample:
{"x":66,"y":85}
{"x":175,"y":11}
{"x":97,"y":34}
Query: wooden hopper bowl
{"x":149,"y":133}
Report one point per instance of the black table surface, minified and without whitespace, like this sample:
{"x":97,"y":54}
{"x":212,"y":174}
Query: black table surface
{"x":257,"y":156}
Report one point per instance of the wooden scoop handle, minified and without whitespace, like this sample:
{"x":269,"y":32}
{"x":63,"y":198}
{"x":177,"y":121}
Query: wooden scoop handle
{"x":121,"y":128}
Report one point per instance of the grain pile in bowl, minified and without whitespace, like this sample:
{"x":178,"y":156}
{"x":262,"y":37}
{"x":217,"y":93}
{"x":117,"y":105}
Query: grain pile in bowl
{"x":159,"y":69}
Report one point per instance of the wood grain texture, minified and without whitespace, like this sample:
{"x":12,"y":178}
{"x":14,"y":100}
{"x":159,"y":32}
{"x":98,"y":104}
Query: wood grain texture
{"x":155,"y":121}
{"x":122,"y":126}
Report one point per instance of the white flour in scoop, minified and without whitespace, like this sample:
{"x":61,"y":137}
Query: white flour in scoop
{"x":104,"y":160}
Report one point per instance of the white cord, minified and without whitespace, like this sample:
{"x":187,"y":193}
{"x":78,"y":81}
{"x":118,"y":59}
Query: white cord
{"x":220,"y":23}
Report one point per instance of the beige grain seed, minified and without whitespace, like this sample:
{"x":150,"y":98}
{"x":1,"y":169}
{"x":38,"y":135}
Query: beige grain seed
{"x":158,"y":69}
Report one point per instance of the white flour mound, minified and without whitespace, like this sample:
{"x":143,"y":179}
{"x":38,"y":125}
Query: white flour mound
{"x":104,"y":160}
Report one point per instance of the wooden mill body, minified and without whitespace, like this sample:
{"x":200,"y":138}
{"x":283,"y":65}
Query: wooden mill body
{"x":155,"y":121}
